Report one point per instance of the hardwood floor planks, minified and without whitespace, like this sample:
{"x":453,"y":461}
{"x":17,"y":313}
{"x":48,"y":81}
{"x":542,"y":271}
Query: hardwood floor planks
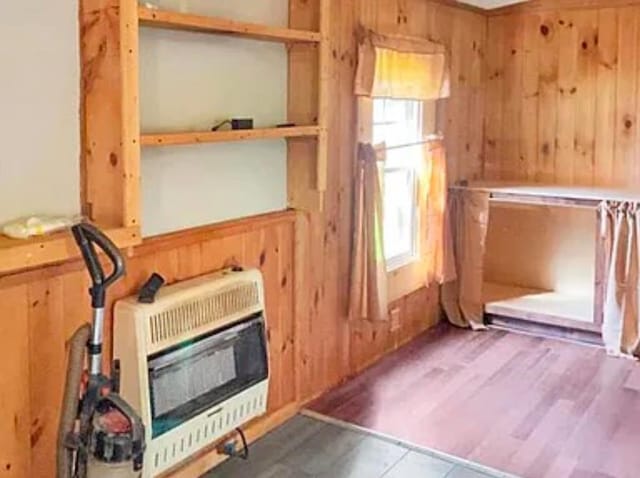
{"x":526,"y":405}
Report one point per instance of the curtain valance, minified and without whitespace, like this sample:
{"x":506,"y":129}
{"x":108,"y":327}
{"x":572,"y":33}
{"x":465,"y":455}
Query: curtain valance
{"x":401,"y":67}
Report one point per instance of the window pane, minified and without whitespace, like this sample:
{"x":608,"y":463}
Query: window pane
{"x":397,"y":122}
{"x":399,"y":213}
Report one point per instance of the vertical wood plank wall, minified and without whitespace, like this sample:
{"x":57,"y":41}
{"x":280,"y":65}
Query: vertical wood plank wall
{"x":345,"y":348}
{"x":563,"y":96}
{"x":312,"y":345}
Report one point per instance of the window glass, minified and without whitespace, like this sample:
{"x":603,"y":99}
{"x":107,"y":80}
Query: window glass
{"x":398,"y":124}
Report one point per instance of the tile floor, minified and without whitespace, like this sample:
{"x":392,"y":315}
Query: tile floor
{"x":307,"y":447}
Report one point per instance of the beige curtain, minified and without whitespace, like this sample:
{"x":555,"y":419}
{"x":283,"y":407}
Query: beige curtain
{"x":467,"y":219}
{"x":401,"y":67}
{"x":368,"y":295}
{"x":621,"y":229}
{"x":390,"y":67}
{"x":435,"y":202}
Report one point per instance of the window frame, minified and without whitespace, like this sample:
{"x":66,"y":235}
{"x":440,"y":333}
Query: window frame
{"x":405,"y":258}
{"x":405,"y":277}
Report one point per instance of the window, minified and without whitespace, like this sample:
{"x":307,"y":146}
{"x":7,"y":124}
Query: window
{"x":399,"y":124}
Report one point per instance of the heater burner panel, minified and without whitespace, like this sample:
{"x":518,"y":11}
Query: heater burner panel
{"x":201,"y":374}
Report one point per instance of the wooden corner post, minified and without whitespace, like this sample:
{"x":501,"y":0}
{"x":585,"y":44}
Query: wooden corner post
{"x":110,"y":120}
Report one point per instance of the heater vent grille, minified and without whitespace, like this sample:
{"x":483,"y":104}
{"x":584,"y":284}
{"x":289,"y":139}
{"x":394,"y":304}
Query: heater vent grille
{"x":203,"y":311}
{"x":209,"y":428}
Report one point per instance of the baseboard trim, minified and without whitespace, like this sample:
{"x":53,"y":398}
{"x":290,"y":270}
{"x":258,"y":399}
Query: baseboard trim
{"x":547,"y":331}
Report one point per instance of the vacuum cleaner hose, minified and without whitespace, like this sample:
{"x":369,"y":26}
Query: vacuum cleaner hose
{"x":69,"y":412}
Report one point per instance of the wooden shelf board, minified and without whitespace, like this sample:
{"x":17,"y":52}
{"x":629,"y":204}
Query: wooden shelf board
{"x":16,"y":254}
{"x":174,"y":139}
{"x":206,"y":24}
{"x":544,"y":306}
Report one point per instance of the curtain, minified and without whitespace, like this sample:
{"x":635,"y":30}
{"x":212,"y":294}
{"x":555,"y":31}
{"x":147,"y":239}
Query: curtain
{"x":401,"y":68}
{"x":368,"y":295}
{"x":620,"y":223}
{"x":466,"y":223}
{"x":434,"y":178}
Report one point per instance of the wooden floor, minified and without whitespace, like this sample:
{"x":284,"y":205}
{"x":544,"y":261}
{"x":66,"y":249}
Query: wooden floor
{"x":308,"y":448}
{"x":529,"y":406}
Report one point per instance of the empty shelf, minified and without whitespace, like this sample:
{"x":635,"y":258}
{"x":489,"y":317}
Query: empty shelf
{"x":196,"y":137}
{"x":207,"y":24}
{"x":543,"y":306}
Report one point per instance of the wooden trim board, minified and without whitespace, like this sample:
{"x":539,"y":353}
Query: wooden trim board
{"x":17,"y":254}
{"x":223,"y":26}
{"x":175,"y":139}
{"x":160,"y":243}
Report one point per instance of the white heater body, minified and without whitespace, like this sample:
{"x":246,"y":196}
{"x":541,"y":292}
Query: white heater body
{"x":194,"y":363}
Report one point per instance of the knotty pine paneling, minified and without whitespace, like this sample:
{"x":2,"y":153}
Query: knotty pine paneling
{"x":40,"y":310}
{"x":323,"y":274}
{"x":312,"y":345}
{"x":562,"y":96}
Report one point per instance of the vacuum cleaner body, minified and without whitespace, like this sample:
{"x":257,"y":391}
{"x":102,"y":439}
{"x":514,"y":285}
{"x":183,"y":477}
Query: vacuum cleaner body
{"x":100,"y":435}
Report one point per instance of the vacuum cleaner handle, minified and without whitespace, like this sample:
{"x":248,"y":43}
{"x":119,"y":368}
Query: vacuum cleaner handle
{"x":88,"y":237}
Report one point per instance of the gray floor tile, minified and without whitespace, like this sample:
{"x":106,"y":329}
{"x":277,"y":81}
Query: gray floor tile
{"x":372,"y":458}
{"x":309,"y":448}
{"x":418,"y":465}
{"x":464,"y":472}
{"x":280,"y":471}
{"x":318,"y":453}
{"x":271,"y":449}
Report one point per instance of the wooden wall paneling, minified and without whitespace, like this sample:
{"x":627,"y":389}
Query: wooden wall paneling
{"x":284,"y":251}
{"x":342,"y":227}
{"x":528,"y":140}
{"x":493,"y":111}
{"x":606,"y":82}
{"x":476,"y":109}
{"x":47,"y":368}
{"x":567,"y":35}
{"x":413,"y":16}
{"x":585,"y":97}
{"x":586,"y":101}
{"x":548,"y":84}
{"x":535,"y":6}
{"x":302,"y":305}
{"x":42,"y":312}
{"x":15,"y":403}
{"x":330,"y":323}
{"x":299,"y":160}
{"x":510,"y":160}
{"x":456,"y":113}
{"x":626,"y":96}
{"x":338,"y":230}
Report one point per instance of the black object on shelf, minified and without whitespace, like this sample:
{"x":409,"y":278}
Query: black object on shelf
{"x":236,"y":124}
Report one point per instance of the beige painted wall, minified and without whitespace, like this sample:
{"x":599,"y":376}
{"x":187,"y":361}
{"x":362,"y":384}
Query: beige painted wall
{"x":191,"y":82}
{"x":39,"y":101}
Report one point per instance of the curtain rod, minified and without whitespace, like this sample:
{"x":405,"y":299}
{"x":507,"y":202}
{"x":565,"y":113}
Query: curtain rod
{"x":429,"y":139}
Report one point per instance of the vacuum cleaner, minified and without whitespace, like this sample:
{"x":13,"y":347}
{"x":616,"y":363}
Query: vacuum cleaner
{"x":100,"y":435}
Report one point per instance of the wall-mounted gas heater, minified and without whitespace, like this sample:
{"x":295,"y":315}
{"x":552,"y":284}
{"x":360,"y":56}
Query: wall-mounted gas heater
{"x":194,"y":363}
